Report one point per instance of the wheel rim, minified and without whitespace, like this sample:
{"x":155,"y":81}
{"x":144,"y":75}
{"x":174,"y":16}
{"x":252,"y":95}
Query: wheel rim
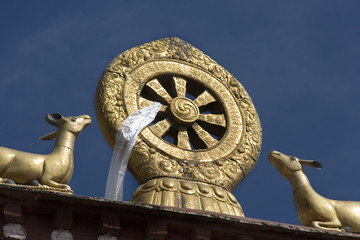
{"x":191,"y":122}
{"x":199,"y":118}
{"x":207,"y":130}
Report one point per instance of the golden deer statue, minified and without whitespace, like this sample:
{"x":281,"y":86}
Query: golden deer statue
{"x":54,"y":169}
{"x":312,"y":209}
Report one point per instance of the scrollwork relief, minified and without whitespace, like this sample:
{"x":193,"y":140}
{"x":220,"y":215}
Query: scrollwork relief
{"x":222,"y":161}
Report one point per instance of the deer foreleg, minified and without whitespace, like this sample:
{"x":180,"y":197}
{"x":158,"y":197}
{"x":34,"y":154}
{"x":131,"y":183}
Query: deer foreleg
{"x":333,"y":225}
{"x":51,"y":183}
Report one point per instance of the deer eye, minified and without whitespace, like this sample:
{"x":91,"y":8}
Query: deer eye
{"x":293,"y":158}
{"x":73,"y":119}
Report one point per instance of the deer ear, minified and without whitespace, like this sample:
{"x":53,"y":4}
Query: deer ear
{"x":311,"y":163}
{"x":54,"y":118}
{"x":48,"y":137}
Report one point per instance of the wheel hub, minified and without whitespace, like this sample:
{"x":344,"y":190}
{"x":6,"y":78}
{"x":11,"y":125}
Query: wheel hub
{"x":184,"y":111}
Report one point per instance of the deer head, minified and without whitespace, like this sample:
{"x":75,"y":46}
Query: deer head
{"x":287,"y":165}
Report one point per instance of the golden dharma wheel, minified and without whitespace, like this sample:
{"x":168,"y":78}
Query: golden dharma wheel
{"x":206,"y":137}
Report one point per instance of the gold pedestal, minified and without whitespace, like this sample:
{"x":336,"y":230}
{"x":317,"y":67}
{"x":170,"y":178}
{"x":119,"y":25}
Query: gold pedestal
{"x":182,"y":193}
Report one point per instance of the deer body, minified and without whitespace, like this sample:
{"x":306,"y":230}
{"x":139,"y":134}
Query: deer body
{"x":313,"y":209}
{"x":54,"y":169}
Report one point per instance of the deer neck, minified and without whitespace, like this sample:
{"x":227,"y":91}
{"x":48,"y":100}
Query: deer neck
{"x":298,"y":180}
{"x":65,"y":139}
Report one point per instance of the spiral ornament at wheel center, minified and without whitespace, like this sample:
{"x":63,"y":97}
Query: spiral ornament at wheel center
{"x":184,"y":111}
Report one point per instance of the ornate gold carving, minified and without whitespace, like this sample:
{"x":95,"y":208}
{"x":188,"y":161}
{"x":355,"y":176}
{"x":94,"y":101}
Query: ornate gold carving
{"x":183,"y":110}
{"x":214,"y":127}
{"x":218,"y":119}
{"x":158,"y":88}
{"x":187,"y":194}
{"x":204,"y":99}
{"x":160,"y":128}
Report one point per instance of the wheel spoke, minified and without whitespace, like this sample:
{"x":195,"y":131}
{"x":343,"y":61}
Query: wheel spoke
{"x":143,"y":102}
{"x":156,"y":86}
{"x":180,"y":86}
{"x":204,"y":98}
{"x":204,"y":135}
{"x":183,"y":139}
{"x":217,"y":119}
{"x":161,"y":127}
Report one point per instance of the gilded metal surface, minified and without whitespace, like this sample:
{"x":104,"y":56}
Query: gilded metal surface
{"x":184,"y":111}
{"x":312,"y":209}
{"x":49,"y":172}
{"x":187,"y":194}
{"x":207,"y":129}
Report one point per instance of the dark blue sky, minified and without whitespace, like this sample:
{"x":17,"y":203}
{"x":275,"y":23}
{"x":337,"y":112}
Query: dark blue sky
{"x":298,"y":60}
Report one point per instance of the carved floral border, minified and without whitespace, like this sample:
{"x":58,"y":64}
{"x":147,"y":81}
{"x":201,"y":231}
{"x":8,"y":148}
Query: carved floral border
{"x":146,"y":163}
